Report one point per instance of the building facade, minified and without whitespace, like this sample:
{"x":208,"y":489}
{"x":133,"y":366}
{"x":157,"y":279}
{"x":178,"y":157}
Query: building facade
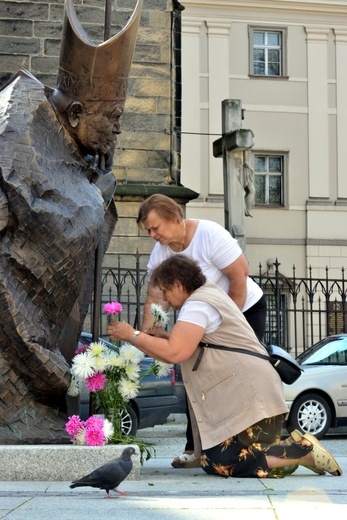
{"x":286,"y":61}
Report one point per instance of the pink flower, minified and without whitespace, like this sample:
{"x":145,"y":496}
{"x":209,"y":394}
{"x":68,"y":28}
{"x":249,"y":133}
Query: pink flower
{"x":94,"y":436}
{"x":96,"y":382}
{"x":73,"y":425}
{"x":94,"y":422}
{"x":113,"y":308}
{"x":82,"y":348}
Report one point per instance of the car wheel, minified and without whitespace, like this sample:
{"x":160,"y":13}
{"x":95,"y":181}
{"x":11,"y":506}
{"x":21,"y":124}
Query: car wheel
{"x":310,"y":414}
{"x":130,"y":421}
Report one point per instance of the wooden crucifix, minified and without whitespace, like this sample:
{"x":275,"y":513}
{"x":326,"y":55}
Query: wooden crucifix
{"x":234,"y":146}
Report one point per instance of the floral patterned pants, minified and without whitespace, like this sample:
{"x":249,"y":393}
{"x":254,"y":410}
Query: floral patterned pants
{"x":244,"y":455}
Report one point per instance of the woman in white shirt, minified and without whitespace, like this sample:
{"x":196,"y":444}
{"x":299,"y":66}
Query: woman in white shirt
{"x":220,"y":259}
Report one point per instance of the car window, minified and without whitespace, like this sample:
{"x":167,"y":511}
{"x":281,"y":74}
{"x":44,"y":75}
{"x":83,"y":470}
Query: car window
{"x":330,"y":351}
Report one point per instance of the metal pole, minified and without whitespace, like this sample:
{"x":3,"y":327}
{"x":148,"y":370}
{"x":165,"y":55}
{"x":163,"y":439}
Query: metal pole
{"x":108,"y":9}
{"x":96,"y":312}
{"x":97,"y":294}
{"x":98,"y":251}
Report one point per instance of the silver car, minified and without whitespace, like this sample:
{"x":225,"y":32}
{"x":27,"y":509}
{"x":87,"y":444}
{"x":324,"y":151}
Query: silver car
{"x":317,"y":401}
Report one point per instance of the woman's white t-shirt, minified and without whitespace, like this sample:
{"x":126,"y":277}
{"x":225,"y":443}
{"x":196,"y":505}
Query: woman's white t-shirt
{"x":200,"y":313}
{"x":213,"y":248}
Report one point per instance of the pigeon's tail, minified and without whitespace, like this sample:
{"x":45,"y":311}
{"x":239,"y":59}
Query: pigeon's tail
{"x":79,"y":483}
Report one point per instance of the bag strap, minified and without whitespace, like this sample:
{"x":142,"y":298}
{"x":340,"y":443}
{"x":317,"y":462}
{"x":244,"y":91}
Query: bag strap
{"x":222,"y":347}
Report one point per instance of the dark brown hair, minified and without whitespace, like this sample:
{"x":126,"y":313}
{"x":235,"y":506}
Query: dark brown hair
{"x":178,"y":268}
{"x":165,"y":207}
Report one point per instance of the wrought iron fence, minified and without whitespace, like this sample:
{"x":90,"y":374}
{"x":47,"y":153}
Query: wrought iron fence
{"x":300,"y":311}
{"x":126,"y":283}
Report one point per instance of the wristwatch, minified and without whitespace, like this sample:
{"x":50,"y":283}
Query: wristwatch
{"x":134,"y":336}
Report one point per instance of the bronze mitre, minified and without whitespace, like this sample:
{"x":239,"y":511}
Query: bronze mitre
{"x":96,"y":72}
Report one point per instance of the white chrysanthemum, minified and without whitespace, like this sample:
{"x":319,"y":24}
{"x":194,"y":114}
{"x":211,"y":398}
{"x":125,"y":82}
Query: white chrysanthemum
{"x":101,"y":363}
{"x":164,"y":368}
{"x":97,"y":348}
{"x":83,"y":365}
{"x":80,"y":438}
{"x":128,"y":389}
{"x":115,"y":360}
{"x":108,"y":429}
{"x":75,"y":387}
{"x":160,"y":316}
{"x":133,"y":371}
{"x":131,"y":354}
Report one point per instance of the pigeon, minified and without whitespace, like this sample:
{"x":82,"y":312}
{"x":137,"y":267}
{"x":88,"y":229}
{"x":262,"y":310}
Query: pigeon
{"x":109,"y":475}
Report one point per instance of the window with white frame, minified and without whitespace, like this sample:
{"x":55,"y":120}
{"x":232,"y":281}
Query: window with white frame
{"x":269,"y":170}
{"x":268,"y":51}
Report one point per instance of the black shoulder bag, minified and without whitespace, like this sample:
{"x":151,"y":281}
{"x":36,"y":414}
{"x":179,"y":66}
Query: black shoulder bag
{"x":286,"y":366}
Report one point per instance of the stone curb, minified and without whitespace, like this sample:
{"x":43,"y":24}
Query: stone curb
{"x":59,"y":462}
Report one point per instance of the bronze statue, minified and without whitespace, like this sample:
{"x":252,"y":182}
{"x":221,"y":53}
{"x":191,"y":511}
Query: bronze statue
{"x":56,"y":208}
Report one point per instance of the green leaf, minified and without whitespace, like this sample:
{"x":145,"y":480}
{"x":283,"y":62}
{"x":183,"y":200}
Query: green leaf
{"x":147,"y":450}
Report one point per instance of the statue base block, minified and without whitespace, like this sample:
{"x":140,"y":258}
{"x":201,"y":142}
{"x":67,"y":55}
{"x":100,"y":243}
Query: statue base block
{"x":59,"y":462}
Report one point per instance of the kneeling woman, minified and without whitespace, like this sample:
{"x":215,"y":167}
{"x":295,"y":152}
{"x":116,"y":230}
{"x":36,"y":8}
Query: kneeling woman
{"x":236,"y":400}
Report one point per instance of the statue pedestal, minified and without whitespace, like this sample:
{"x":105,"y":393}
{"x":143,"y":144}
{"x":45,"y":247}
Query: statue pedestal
{"x":59,"y":462}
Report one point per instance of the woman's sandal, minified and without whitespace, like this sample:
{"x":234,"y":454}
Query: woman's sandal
{"x":186,"y":460}
{"x":323,"y":460}
{"x":297,"y":437}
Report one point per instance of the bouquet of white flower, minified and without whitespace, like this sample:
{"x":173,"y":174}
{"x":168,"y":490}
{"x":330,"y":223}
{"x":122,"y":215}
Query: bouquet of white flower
{"x":113,"y":375}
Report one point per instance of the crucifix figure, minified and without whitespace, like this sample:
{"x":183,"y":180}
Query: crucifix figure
{"x":234,"y":146}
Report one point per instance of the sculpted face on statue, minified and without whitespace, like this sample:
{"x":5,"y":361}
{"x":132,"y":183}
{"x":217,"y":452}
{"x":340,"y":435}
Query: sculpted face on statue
{"x":94,"y":126}
{"x":98,"y":128}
